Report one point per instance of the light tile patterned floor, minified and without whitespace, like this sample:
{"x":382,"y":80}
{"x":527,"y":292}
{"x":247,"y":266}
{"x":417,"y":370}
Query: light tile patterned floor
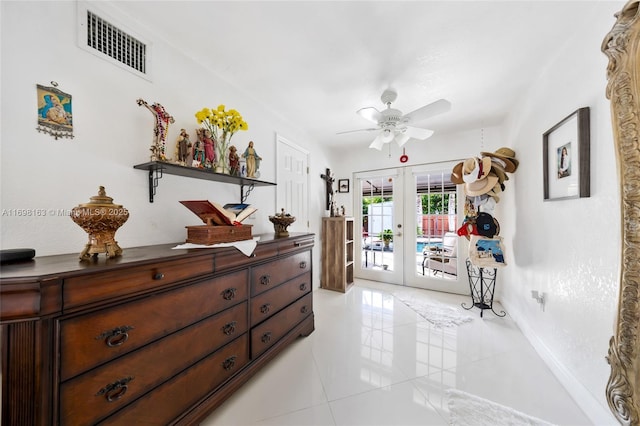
{"x":374,"y":361}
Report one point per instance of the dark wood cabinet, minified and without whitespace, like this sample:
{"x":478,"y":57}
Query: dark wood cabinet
{"x":157,"y":336}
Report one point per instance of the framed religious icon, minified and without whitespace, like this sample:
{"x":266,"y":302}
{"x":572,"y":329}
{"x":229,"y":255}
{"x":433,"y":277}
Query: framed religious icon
{"x":566,"y":158}
{"x":54,"y":112}
{"x":343,"y":185}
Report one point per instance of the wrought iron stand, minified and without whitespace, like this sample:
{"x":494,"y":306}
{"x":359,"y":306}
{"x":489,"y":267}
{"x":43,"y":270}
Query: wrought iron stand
{"x":482,"y":283}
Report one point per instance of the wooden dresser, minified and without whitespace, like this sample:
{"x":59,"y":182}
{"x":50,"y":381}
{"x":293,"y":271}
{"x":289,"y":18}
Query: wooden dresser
{"x":155,"y":337}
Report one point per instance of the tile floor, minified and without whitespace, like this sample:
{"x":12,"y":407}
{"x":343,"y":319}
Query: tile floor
{"x":373,"y":361}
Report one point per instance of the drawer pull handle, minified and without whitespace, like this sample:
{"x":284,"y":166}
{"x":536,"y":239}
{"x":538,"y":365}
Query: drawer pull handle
{"x":265,"y":280}
{"x":229,"y":293}
{"x":266,"y":337}
{"x":229,"y":328}
{"x":158,"y":276}
{"x":304,"y":309}
{"x":229,"y":363}
{"x":115,"y":337}
{"x":116,"y":390}
{"x":303,"y":286}
{"x":265,"y":308}
{"x":303,"y":264}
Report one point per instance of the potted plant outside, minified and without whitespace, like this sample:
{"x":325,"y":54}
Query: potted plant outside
{"x":386,"y":236}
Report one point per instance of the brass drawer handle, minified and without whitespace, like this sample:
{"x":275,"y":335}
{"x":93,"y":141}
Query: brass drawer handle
{"x":116,"y":390}
{"x":115,"y":337}
{"x":304,"y":309}
{"x":303,"y":264}
{"x":158,"y":276}
{"x":229,"y":328}
{"x":265,"y":280}
{"x":303,"y":286}
{"x":265,"y":308}
{"x":229,"y":363}
{"x":266,"y":337}
{"x":229,"y":293}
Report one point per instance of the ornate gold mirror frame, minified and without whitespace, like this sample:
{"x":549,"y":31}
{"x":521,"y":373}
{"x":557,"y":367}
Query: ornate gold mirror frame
{"x":622,"y":46}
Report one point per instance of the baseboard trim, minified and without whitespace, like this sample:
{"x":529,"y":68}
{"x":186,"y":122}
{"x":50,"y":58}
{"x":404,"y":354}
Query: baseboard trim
{"x":589,"y":404}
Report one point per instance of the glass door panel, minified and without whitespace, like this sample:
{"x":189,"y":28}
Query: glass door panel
{"x":379,"y":196}
{"x":435,"y":246}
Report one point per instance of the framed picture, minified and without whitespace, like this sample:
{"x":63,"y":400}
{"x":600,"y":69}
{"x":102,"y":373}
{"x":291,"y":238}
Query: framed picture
{"x":566,"y":159}
{"x":54,"y":112}
{"x":343,"y":185}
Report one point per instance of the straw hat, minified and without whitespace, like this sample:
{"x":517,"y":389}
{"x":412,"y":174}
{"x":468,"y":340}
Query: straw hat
{"x":481,"y":186}
{"x":507,"y":155}
{"x":456,"y":173}
{"x":475,"y":169}
{"x":498,"y":170}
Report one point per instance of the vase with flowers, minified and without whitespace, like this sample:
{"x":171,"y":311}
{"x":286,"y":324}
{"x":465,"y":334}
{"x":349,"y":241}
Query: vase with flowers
{"x":222,"y":125}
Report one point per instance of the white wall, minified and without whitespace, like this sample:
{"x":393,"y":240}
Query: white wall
{"x":570,"y":250}
{"x":112,"y":134}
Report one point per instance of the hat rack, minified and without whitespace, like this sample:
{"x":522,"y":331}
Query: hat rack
{"x":483,"y":179}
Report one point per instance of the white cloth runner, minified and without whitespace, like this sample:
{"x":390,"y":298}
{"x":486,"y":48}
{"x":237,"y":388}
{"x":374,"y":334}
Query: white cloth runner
{"x":466,"y":409}
{"x":439,"y":314}
{"x":245,"y":246}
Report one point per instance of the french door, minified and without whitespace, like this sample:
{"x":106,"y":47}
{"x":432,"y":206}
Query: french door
{"x":416,"y":209}
{"x":379,"y":196}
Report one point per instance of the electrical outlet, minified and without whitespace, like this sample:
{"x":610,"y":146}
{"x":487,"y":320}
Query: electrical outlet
{"x":540,"y":298}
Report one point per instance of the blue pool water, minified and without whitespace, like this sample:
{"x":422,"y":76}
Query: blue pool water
{"x":420,"y":245}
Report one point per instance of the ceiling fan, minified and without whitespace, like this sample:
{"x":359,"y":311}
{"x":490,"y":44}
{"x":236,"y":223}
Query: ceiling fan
{"x":392,"y":125}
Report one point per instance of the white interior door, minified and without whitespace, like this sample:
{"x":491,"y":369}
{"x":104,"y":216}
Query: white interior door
{"x":379,"y":214}
{"x":293,"y":181}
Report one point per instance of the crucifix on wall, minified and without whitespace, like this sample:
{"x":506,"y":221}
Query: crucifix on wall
{"x":328,"y":178}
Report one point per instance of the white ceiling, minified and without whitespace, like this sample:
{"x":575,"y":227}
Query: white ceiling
{"x":317,"y":62}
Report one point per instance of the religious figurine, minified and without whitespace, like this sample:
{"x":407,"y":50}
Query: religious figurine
{"x":209,"y":146}
{"x":162,"y":117}
{"x":329,"y":179}
{"x":234,"y":161}
{"x":253,"y":160}
{"x":183,"y":147}
{"x":198,"y":151}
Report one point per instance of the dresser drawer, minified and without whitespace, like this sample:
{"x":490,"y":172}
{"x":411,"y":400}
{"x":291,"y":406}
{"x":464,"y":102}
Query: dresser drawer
{"x":103,"y":390}
{"x":269,"y":302}
{"x":269,"y":332}
{"x":174,"y":397}
{"x":297,"y":244}
{"x":89,"y":340}
{"x":234,"y":258}
{"x":266,"y":277}
{"x":84,"y":290}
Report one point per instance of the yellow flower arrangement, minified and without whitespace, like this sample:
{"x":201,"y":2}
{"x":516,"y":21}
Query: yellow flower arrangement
{"x":222,"y":125}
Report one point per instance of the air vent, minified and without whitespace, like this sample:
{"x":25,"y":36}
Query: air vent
{"x":105,"y":37}
{"x":113,"y":42}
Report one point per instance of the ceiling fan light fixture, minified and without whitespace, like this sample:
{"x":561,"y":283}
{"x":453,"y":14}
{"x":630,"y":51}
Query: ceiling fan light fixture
{"x":387,"y":135}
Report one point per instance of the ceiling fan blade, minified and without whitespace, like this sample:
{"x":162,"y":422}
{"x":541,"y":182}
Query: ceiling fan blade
{"x":370,"y":113}
{"x":359,"y":130}
{"x":434,"y":108}
{"x":378,"y":142}
{"x":402,"y":138}
{"x":418,"y":133}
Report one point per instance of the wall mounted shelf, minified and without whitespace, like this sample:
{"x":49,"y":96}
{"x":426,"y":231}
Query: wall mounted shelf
{"x":157,"y":169}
